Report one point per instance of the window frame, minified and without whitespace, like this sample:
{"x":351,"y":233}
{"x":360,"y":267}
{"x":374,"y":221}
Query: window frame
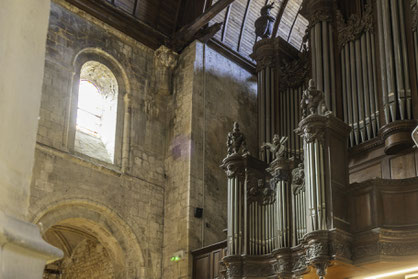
{"x":111,"y":63}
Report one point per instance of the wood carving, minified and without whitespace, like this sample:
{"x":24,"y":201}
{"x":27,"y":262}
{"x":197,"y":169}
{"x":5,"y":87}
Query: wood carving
{"x":264,"y":24}
{"x":355,"y":26}
{"x":313,"y":101}
{"x":235,"y":141}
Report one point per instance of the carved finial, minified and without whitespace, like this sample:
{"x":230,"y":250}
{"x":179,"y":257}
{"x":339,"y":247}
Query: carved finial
{"x":264,"y":24}
{"x":313,"y":101}
{"x":236,"y":140}
{"x":277,"y":147}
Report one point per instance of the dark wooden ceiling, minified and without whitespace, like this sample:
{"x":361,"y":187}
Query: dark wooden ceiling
{"x":157,"y":22}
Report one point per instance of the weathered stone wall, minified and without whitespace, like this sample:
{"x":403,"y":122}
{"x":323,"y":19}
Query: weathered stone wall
{"x":176,"y":144}
{"x":211,"y":93}
{"x":136,"y":197}
{"x":89,"y":260}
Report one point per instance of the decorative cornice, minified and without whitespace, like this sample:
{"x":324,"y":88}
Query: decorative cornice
{"x":355,"y":26}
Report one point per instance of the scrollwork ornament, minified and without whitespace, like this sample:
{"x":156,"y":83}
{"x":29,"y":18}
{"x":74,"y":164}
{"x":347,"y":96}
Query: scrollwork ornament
{"x":311,"y":134}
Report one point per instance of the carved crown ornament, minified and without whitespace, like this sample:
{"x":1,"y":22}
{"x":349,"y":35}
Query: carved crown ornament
{"x":355,"y":26}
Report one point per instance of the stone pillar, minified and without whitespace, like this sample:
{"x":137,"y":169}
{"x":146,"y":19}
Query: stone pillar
{"x":23,"y":27}
{"x":321,"y":43}
{"x":165,"y":62}
{"x":267,"y":101}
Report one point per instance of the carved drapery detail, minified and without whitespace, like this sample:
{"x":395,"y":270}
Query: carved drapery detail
{"x":355,"y":26}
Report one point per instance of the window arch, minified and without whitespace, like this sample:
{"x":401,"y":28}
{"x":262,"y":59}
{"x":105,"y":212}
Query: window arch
{"x":98,"y":126}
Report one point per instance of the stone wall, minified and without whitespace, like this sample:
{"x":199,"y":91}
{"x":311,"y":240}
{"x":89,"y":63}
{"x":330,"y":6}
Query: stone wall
{"x":144,"y":212}
{"x":62,"y":179}
{"x":211,"y":93}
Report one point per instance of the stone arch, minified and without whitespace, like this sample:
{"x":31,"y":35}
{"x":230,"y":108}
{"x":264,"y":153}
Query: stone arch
{"x":124,"y":93}
{"x":104,"y":224}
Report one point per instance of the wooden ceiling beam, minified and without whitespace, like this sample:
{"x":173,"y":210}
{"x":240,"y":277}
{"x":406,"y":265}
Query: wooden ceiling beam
{"x":186,"y":33}
{"x":225,"y":26}
{"x":279,"y":17}
{"x":123,"y":22}
{"x":244,"y":21}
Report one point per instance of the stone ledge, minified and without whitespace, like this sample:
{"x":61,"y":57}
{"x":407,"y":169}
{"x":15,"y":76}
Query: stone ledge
{"x":26,"y":236}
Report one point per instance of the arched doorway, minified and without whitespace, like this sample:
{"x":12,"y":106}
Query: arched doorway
{"x":97,"y":242}
{"x":85,"y":256}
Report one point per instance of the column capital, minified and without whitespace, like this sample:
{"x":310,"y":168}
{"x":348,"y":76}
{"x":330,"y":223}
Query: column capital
{"x":319,"y":10}
{"x":264,"y":53}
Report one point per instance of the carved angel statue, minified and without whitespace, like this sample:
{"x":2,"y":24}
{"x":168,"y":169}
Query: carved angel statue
{"x":298,"y":175}
{"x":264,"y":24}
{"x":276,"y":148}
{"x":235,"y":141}
{"x":313,"y":101}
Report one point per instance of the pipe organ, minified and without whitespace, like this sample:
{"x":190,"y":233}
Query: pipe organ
{"x":288,"y":208}
{"x":358,"y":76}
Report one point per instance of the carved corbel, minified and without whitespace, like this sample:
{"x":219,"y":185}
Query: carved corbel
{"x":165,"y":60}
{"x":318,"y":252}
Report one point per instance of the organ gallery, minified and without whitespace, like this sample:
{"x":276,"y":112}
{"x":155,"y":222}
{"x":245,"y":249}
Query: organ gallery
{"x":209,"y":139}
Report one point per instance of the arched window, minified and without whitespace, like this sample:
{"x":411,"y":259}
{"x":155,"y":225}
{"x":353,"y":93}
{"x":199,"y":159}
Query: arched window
{"x":98,"y":127}
{"x":96,"y":112}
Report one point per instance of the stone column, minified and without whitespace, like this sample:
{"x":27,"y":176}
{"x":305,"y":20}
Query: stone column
{"x":165,"y":62}
{"x":23,"y":27}
{"x":267,"y":101}
{"x":321,"y":43}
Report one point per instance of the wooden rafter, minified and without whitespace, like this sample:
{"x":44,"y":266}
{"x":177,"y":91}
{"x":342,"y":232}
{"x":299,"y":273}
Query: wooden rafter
{"x":135,"y":6}
{"x":244,"y":20}
{"x":294,"y":21}
{"x":279,"y":17}
{"x":124,"y":22}
{"x":225,"y":26}
{"x":186,"y":33}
